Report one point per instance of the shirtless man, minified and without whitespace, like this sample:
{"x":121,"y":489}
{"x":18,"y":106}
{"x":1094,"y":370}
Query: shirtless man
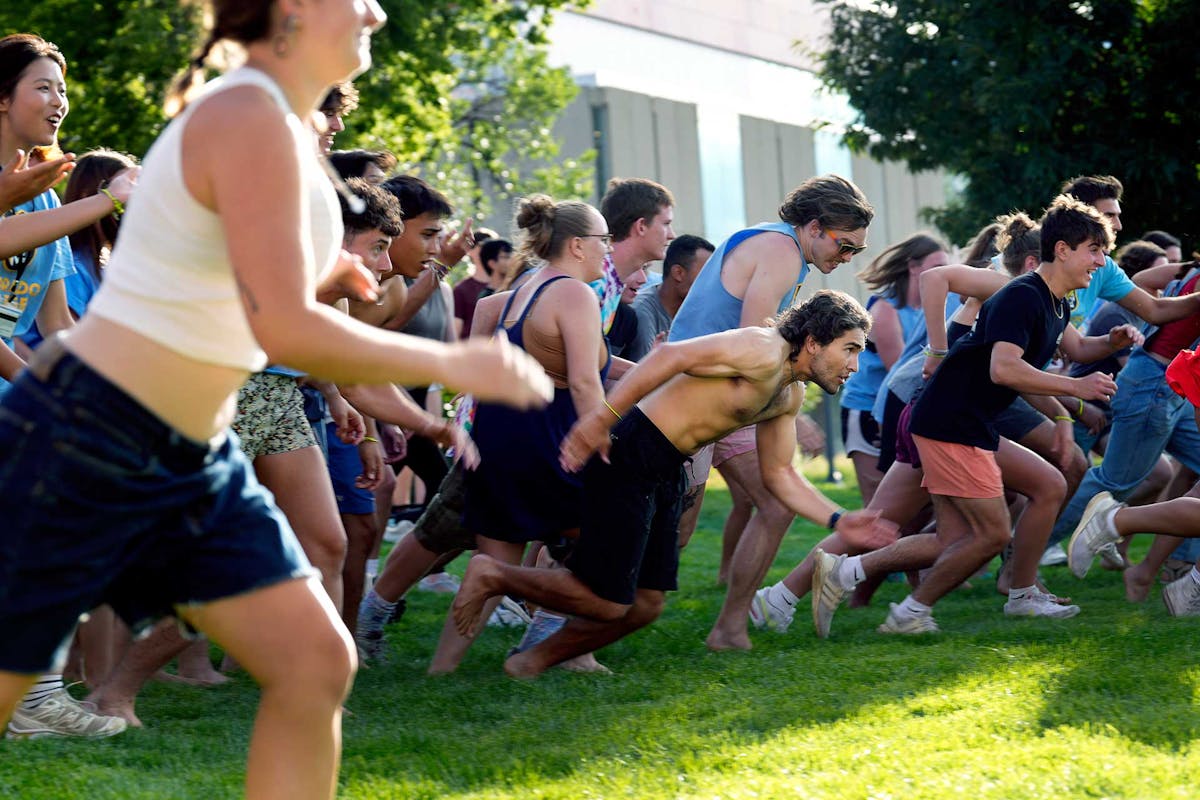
{"x":681,"y":397}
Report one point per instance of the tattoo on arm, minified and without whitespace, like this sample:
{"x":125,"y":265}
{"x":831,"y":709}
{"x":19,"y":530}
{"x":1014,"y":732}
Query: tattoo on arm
{"x":251,"y":303}
{"x":691,"y":496}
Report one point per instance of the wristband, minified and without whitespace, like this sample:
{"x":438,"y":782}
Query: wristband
{"x":370,"y":439}
{"x":1063,"y":418}
{"x":610,"y":408}
{"x":1079,"y":413}
{"x":118,"y":206}
{"x":834,"y":517}
{"x":929,"y":352}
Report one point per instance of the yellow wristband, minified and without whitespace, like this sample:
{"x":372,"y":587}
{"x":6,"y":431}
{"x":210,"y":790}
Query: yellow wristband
{"x":118,"y":206}
{"x":1063,"y":418}
{"x":370,"y":439}
{"x":610,"y":408}
{"x":1079,"y":413}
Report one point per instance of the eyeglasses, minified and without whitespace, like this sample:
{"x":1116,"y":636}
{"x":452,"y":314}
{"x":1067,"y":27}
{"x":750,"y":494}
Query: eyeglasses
{"x":605,"y":238}
{"x":845,"y":248}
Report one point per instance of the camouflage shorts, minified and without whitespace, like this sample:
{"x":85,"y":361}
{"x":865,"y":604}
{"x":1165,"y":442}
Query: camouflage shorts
{"x":270,"y":416}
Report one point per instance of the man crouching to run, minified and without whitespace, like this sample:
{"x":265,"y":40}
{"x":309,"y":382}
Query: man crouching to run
{"x":682,"y":396}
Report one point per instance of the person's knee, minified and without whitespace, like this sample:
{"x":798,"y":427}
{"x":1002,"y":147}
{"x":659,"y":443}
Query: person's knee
{"x":324,"y":667}
{"x":646,"y":608}
{"x":1052,"y":489}
{"x":325,"y":546}
{"x":609,"y":611}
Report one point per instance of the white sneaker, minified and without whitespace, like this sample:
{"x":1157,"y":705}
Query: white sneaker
{"x":764,"y":614}
{"x":395,"y":530}
{"x":509,"y":614}
{"x":1038,"y":604}
{"x":439,"y":583}
{"x":1093,"y":534}
{"x":1182,"y":597}
{"x":908,"y":624}
{"x":1054,"y":556}
{"x":827,"y":593}
{"x":61,"y":715}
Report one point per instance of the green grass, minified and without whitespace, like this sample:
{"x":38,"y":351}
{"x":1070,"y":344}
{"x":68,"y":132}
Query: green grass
{"x":1104,"y":705}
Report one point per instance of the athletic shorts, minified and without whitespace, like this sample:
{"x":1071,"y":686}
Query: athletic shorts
{"x":1015,"y":422}
{"x":959,"y":470}
{"x":105,"y":503}
{"x":629,"y":538}
{"x":270,"y":416}
{"x":906,"y":448}
{"x":345,"y":467}
{"x":439,"y":529}
{"x":743,"y":440}
{"x":860,"y":432}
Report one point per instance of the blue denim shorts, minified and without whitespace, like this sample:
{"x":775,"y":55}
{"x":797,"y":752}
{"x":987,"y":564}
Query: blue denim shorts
{"x":103,"y":502}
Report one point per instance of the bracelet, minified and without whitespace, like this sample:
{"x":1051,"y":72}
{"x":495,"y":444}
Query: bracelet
{"x":370,"y":439}
{"x":118,"y":206}
{"x":610,"y":408}
{"x":834,"y":517}
{"x":929,"y":352}
{"x":1063,"y":418}
{"x":1079,"y":413}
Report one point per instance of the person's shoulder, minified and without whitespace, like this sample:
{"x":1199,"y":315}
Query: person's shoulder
{"x":245,"y":114}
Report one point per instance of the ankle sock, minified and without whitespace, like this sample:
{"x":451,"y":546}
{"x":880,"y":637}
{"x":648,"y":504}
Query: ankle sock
{"x":1195,"y":575}
{"x":781,"y":596}
{"x":851,"y":572}
{"x":911,"y":608}
{"x":373,"y":613}
{"x":41,"y":691}
{"x":1020,"y":594}
{"x":372,"y":570}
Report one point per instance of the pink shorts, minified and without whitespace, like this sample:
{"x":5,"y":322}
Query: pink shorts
{"x":714,"y":455}
{"x":959,"y":470}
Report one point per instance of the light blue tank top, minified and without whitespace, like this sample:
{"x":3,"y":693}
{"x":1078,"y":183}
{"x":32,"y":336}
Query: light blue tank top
{"x":863,"y":385}
{"x":709,"y":307}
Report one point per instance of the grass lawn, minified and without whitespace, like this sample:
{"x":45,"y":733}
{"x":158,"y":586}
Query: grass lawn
{"x":1101,"y":706}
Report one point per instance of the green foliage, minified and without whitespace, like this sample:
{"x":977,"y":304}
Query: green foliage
{"x":460,"y":91}
{"x":1020,"y":96}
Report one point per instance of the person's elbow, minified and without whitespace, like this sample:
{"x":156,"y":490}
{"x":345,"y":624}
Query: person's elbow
{"x":1001,"y":372}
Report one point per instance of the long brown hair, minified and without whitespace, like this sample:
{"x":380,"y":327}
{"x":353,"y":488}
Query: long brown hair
{"x":240,"y":21}
{"x":92,"y":171}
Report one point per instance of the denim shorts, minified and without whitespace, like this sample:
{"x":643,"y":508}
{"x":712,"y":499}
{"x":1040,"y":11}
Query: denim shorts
{"x":103,"y":502}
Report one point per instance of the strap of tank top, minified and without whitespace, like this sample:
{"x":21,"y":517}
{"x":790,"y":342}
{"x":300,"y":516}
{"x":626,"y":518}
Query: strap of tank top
{"x":244,"y":75}
{"x":529,"y":305}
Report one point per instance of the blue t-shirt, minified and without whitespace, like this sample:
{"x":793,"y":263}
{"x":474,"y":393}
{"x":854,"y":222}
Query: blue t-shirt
{"x":25,"y":277}
{"x":81,"y":287}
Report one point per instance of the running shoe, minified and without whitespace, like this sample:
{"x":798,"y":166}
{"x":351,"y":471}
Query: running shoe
{"x":1094,"y":531}
{"x":765,"y":615}
{"x":908,"y":624}
{"x":1038,"y":604}
{"x":1182,"y":597}
{"x":827,"y":593}
{"x":62,"y":715}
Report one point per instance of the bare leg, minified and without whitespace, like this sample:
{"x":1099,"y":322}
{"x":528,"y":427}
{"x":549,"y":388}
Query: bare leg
{"x":741,"y":508}
{"x":752,"y":558}
{"x":195,"y":666}
{"x":406,"y":564}
{"x":581,"y":635}
{"x":1041,"y":441}
{"x":143,"y":658}
{"x":974,"y":531}
{"x":300,"y":482}
{"x":866,"y":470}
{"x":1176,"y":517}
{"x":556,"y":589}
{"x":693,"y":499}
{"x":101,"y":640}
{"x":1140,"y":577}
{"x":290,"y":639}
{"x":360,"y":539}
{"x":13,"y":687}
{"x":452,"y":645}
{"x":1045,"y":488}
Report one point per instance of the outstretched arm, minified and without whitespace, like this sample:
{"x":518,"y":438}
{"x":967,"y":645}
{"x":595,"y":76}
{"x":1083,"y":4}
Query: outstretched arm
{"x":1160,"y":310}
{"x":939,"y":282}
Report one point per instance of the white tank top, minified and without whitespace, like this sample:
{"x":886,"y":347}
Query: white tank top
{"x":170,"y":278}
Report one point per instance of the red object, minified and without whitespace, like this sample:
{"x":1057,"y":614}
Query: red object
{"x":1183,"y":375}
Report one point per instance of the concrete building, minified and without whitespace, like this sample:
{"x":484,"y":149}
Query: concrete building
{"x":715,"y":100}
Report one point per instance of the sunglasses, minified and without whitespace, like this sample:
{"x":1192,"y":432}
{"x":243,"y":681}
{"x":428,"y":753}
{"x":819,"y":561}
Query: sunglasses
{"x":845,"y":248}
{"x":605,"y":238}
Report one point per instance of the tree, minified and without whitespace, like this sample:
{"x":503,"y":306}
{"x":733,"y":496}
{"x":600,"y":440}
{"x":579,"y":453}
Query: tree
{"x":1017,"y":97}
{"x":460,"y":91}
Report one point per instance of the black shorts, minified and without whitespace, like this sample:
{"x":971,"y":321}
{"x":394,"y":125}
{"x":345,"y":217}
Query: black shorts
{"x":629,"y":538}
{"x":1018,"y":420}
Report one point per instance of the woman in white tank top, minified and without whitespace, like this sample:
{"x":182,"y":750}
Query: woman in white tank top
{"x":121,"y":485}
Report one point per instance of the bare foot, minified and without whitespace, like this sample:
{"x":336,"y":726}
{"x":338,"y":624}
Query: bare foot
{"x":522,"y":666}
{"x":1137,"y":587}
{"x":213,"y":679}
{"x":230,"y":665}
{"x":719,"y":641}
{"x":467,"y":607}
{"x":115,"y":707}
{"x":584,"y":663}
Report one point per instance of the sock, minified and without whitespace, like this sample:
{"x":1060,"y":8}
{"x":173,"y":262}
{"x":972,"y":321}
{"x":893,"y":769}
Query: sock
{"x":544,"y":625}
{"x":1195,"y":576}
{"x":781,"y":596}
{"x":45,"y":686}
{"x":851,"y":572}
{"x":373,"y":613}
{"x":1020,"y":594}
{"x":372,"y":569}
{"x":911,"y":608}
{"x":1110,"y":519}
